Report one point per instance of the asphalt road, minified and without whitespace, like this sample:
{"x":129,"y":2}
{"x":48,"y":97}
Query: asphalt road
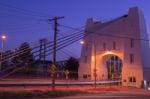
{"x":110,"y":95}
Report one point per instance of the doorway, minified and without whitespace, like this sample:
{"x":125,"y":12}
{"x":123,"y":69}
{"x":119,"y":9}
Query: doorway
{"x":114,"y":67}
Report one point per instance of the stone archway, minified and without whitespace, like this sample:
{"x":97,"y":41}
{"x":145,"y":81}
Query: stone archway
{"x":114,"y":67}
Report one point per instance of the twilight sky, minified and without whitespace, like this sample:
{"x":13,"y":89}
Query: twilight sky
{"x":26,"y":20}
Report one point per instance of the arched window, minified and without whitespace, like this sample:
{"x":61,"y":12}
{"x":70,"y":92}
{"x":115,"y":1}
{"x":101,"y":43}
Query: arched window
{"x":114,"y":67}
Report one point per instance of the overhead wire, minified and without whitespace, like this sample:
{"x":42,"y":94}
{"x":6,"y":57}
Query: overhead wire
{"x":60,"y":44}
{"x":65,"y":44}
{"x":32,"y":13}
{"x":70,"y":40}
{"x":22,"y":26}
{"x":101,"y":34}
{"x":22,"y":17}
{"x":72,"y":28}
{"x":25,"y":50}
{"x":22,"y":29}
{"x":63,"y":40}
{"x":22,"y":13}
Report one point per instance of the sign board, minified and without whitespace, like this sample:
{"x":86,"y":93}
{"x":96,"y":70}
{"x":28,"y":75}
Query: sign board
{"x":66,"y":73}
{"x":53,"y":68}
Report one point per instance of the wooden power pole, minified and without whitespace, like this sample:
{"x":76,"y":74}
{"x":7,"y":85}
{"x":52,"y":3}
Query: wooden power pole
{"x":53,"y":67}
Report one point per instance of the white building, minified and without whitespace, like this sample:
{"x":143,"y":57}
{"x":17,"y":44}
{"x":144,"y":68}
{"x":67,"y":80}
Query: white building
{"x":117,"y":49}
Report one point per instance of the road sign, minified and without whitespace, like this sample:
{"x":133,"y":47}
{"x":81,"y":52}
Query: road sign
{"x":66,"y":73}
{"x":53,"y":68}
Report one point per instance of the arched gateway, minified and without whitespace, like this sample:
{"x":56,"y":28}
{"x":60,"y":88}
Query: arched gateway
{"x":130,"y":54}
{"x":114,"y":67}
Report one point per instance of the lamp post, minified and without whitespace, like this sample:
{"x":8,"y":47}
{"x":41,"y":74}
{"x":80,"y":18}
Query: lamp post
{"x":3,"y":37}
{"x":95,"y":69}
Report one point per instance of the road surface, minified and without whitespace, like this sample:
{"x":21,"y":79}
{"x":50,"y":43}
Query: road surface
{"x":111,"y":95}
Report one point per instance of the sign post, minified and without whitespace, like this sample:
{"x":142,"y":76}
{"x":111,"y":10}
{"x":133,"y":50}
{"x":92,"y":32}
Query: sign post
{"x":66,"y":74}
{"x":53,"y":72}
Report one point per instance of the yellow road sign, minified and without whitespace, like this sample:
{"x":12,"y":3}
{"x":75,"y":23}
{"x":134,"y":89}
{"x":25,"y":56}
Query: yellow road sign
{"x":53,"y":68}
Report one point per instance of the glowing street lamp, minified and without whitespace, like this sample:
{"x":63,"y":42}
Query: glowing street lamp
{"x":81,"y":42}
{"x":3,"y":37}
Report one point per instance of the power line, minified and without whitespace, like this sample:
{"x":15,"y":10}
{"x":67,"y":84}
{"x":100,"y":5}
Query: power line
{"x":75,"y":37}
{"x":22,"y":17}
{"x":30,"y":27}
{"x":63,"y":34}
{"x":69,"y":27}
{"x":32,"y":13}
{"x":67,"y":43}
{"x":7,"y":26}
{"x":108,"y":35}
{"x":61,"y":44}
{"x":67,"y":52}
{"x":62,"y":39}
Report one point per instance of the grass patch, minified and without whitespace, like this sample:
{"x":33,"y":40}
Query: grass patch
{"x":36,"y":94}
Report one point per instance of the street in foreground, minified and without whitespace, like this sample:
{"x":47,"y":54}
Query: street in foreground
{"x":109,"y":95}
{"x":73,"y":92}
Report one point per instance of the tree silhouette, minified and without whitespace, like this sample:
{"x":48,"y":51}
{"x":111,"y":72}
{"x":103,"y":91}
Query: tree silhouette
{"x":24,"y":57}
{"x":7,"y":62}
{"x":72,"y":65}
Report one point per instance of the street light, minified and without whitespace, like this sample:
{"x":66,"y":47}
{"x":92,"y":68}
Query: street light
{"x":94,"y":47}
{"x":95,"y":74}
{"x":81,"y":42}
{"x":3,"y":37}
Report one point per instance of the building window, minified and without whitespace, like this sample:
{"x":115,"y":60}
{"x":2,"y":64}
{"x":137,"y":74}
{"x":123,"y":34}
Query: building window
{"x":89,"y":75}
{"x":131,"y":43}
{"x":85,"y":59}
{"x":124,"y":80}
{"x":132,"y":79}
{"x":131,"y":58}
{"x":84,"y":76}
{"x":104,"y":46}
{"x":114,"y":45}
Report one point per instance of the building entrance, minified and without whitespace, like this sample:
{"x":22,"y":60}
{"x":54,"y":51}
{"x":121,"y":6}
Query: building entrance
{"x":114,"y":67}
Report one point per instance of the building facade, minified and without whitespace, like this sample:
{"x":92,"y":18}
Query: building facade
{"x":116,"y":50}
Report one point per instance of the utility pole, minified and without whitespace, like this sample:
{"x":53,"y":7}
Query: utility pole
{"x":42,"y":51}
{"x":95,"y":69}
{"x":53,"y":67}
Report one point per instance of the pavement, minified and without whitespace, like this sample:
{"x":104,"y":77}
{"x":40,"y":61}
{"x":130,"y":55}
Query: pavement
{"x":100,"y":92}
{"x":107,"y":96}
{"x":111,"y":95}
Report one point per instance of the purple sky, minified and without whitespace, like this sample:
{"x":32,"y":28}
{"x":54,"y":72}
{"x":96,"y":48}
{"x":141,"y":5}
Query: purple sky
{"x":26,"y":25}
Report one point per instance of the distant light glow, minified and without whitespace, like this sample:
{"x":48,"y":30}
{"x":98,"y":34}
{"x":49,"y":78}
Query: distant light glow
{"x":93,"y":58}
{"x":81,"y":42}
{"x":108,"y":53}
{"x":3,"y":37}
